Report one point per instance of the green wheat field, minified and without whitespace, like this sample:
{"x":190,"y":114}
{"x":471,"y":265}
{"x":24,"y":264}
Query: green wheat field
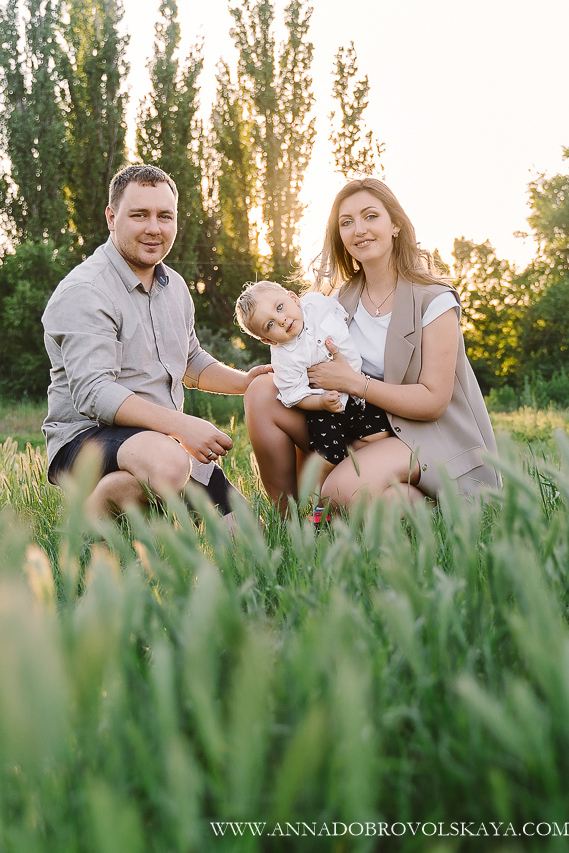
{"x":397,"y":681}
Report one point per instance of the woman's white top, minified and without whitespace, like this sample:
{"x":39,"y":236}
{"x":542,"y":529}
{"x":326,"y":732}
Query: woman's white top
{"x":324,"y":318}
{"x":369,"y":333}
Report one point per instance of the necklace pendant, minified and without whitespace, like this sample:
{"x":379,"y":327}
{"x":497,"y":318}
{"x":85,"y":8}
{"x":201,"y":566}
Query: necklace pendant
{"x":377,"y":314}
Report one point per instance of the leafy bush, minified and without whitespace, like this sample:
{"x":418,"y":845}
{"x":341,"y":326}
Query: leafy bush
{"x":27,"y":279}
{"x":503,"y":399}
{"x":554,"y":391}
{"x":537,"y":393}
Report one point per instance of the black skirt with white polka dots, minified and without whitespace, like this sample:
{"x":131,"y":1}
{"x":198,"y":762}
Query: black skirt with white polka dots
{"x":330,"y":433}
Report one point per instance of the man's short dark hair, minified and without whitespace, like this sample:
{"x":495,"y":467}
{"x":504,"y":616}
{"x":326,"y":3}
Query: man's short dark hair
{"x":139,"y":174}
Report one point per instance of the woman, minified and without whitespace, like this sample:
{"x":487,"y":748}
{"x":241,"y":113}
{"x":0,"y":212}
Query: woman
{"x":405,"y":323}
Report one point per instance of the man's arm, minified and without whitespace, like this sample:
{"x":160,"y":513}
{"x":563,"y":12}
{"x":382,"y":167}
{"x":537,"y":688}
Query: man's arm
{"x":222,"y":379}
{"x":197,"y":436}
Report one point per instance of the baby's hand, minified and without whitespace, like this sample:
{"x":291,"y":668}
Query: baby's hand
{"x":331,"y":402}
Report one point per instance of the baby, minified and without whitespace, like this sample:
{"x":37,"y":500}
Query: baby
{"x":297,"y":329}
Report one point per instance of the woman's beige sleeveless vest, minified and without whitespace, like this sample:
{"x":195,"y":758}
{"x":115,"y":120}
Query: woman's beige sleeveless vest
{"x":457,"y":442}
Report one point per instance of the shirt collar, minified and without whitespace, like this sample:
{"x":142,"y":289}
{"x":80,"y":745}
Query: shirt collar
{"x":128,"y":277}
{"x":290,"y":345}
{"x":160,"y":274}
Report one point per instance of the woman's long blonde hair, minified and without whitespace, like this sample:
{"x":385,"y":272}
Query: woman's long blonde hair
{"x":337,"y":267}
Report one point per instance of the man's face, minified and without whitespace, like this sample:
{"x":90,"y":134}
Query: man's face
{"x":143,"y":225}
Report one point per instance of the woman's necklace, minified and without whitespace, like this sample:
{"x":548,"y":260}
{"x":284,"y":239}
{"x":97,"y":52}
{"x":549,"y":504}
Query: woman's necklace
{"x":377,"y":307}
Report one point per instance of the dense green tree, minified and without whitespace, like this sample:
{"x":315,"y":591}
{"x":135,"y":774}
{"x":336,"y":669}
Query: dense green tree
{"x":354,"y":148}
{"x":275,"y":89}
{"x":298,"y":130}
{"x":228,"y":248}
{"x":545,"y":336}
{"x":549,"y":219}
{"x":494,"y":301}
{"x":544,"y":333}
{"x":167,"y":131}
{"x":27,"y":278}
{"x":95,"y":71}
{"x":32,"y":121}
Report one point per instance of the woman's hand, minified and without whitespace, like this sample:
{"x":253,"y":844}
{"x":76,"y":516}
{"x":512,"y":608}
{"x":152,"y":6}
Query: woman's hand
{"x":335,"y":374}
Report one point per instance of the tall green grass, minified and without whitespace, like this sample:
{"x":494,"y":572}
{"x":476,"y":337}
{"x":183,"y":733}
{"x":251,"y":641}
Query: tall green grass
{"x":397,"y":666}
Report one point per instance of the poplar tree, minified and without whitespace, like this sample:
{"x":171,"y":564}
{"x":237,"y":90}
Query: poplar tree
{"x":167,"y":132}
{"x":32,"y":122}
{"x":95,"y":69}
{"x":545,"y":340}
{"x":228,"y":247}
{"x":354,"y":148}
{"x":549,"y":219}
{"x":276,"y":92}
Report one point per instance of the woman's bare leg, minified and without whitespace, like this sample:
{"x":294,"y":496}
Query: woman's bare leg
{"x":279,"y":437}
{"x":383,"y":470}
{"x":367,"y":439}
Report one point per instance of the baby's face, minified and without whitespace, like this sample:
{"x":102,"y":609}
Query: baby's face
{"x":277,"y":319}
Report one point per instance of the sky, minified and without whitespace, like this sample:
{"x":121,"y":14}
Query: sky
{"x":470,"y":98}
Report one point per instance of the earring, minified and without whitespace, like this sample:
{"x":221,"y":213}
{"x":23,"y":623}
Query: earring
{"x":396,"y":233}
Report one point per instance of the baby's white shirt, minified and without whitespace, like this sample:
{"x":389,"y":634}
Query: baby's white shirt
{"x":324,"y":318}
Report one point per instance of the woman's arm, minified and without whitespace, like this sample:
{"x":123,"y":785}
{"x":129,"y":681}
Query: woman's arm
{"x":427,"y":400}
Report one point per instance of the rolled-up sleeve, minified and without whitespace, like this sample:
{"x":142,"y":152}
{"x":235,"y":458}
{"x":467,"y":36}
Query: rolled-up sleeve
{"x":198,"y":358}
{"x":291,"y":379}
{"x":83,"y":323}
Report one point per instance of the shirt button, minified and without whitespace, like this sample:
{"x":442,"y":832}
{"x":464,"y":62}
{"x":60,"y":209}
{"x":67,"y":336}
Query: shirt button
{"x":423,"y":467}
{"x":397,"y":429}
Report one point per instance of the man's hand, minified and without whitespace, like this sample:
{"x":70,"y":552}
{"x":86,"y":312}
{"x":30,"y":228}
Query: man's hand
{"x":331,"y":402}
{"x":202,"y":439}
{"x":257,"y":371}
{"x":221,"y":379}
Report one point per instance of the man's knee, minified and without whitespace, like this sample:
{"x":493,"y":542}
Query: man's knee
{"x":157,"y":460}
{"x":169,"y":471}
{"x":173,"y":473}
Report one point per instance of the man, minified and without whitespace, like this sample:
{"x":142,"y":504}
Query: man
{"x":119,"y":330}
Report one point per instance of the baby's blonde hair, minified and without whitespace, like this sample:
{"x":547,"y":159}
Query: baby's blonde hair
{"x":247,"y":303}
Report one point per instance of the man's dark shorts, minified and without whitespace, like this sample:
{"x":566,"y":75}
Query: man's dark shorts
{"x":330,"y":433}
{"x":107,"y":439}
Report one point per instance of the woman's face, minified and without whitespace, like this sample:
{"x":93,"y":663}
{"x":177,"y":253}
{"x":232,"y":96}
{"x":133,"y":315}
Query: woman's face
{"x":366,"y":228}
